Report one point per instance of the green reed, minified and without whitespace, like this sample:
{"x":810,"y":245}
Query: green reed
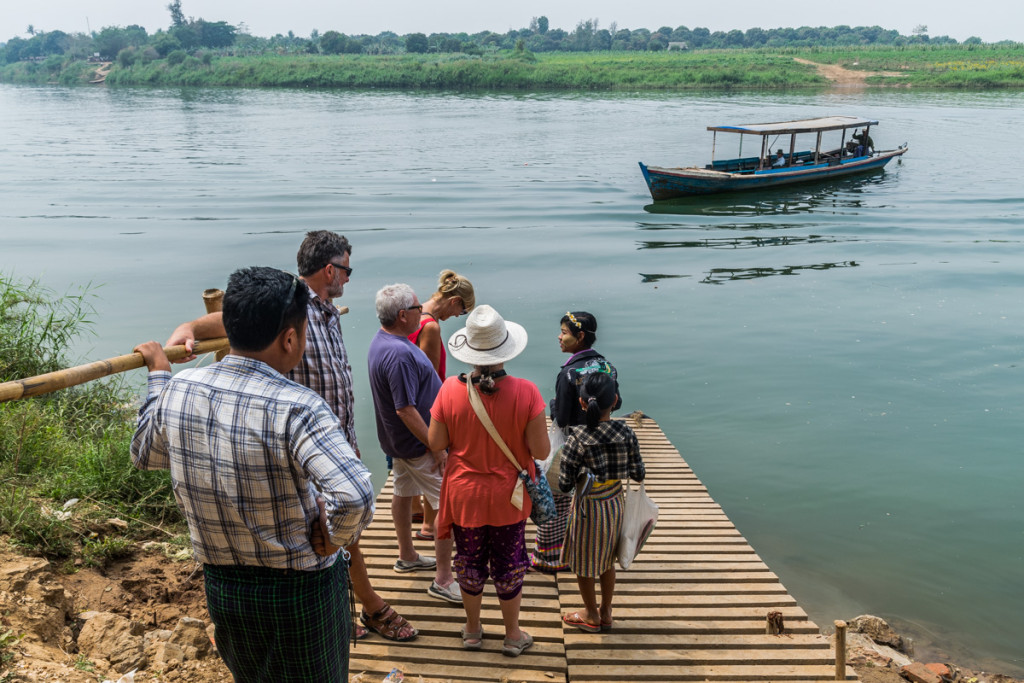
{"x":72,"y":444}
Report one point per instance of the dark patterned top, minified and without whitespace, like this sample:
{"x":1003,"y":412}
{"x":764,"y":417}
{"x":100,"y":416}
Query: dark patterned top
{"x":609,"y":452}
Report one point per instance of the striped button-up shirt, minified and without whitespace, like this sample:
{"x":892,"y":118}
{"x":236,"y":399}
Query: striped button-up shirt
{"x":324,"y":367}
{"x":249,"y":452}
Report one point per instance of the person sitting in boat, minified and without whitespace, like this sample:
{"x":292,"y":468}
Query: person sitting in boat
{"x":780,"y":160}
{"x":865,"y":145}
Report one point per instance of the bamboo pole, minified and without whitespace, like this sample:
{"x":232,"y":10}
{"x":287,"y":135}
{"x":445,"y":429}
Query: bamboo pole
{"x":213,"y":299}
{"x":69,"y":377}
{"x":840,"y":650}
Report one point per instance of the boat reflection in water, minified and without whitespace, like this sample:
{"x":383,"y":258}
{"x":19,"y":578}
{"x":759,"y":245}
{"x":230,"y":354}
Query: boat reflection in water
{"x":719,"y":276}
{"x":752,"y":242}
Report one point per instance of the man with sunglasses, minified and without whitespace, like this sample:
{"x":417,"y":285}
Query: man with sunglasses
{"x":323,"y":262}
{"x":269,"y":485}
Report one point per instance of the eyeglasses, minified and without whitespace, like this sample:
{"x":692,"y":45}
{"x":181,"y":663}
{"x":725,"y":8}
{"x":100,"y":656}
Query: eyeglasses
{"x":348,"y":271}
{"x":418,"y":307}
{"x":287,"y":302}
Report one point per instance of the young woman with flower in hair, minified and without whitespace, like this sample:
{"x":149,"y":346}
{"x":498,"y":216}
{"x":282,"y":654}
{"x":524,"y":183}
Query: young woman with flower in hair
{"x":577,"y":335}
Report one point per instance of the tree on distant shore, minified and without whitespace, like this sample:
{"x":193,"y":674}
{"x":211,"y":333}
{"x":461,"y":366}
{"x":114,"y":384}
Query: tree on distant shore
{"x":332,"y":43}
{"x":177,"y":16}
{"x":416,"y":42}
{"x":191,"y":34}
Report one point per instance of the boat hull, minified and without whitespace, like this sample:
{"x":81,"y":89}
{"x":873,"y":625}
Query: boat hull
{"x":673,"y":183}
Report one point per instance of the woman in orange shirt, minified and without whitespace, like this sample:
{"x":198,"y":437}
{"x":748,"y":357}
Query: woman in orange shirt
{"x":478,"y":480}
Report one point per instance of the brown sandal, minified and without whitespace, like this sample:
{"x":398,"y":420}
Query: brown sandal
{"x":389,"y":624}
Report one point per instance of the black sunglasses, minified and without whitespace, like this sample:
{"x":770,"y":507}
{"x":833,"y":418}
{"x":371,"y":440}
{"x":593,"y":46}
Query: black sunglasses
{"x":348,"y":271}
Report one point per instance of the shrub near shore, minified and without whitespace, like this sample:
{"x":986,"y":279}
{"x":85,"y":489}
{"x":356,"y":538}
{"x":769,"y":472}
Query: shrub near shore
{"x":70,"y":445}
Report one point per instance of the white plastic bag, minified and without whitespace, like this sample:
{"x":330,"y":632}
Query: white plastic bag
{"x":639,"y":515}
{"x":551,"y":467}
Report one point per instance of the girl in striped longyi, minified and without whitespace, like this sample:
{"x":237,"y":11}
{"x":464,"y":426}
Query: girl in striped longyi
{"x":603,"y":452}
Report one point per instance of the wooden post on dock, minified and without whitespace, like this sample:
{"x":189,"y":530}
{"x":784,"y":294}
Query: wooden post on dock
{"x":840,"y":650}
{"x":213,"y":299}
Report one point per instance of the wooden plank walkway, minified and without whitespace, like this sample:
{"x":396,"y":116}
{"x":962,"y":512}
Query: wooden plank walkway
{"x":691,"y":608}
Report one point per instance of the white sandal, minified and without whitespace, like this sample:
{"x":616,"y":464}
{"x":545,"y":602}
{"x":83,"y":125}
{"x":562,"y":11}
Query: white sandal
{"x":514,"y":648}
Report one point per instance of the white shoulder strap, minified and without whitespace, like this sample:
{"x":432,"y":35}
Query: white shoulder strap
{"x":481,"y":412}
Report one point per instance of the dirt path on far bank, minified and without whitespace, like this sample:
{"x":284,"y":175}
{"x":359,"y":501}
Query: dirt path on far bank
{"x":840,"y":75}
{"x":101,"y":72}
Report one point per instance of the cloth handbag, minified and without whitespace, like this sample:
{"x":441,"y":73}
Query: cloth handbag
{"x":540,"y":493}
{"x":639,"y":515}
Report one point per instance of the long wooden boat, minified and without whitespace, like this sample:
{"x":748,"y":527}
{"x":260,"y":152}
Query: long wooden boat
{"x":843,"y":156}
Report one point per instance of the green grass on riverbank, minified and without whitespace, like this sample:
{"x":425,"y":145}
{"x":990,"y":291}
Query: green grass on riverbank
{"x":964,"y":66}
{"x":570,"y":71}
{"x":72,"y":444}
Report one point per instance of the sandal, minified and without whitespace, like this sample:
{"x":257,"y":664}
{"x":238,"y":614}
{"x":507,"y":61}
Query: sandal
{"x":359,"y":632}
{"x":606,"y":625}
{"x":514,"y":648}
{"x":473,"y":641}
{"x":389,"y":624}
{"x":579,"y":622}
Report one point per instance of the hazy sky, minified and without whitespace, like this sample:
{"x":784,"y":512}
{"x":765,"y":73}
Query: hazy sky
{"x":991,"y":20}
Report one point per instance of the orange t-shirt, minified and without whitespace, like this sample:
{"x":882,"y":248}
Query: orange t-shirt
{"x":478,"y":479}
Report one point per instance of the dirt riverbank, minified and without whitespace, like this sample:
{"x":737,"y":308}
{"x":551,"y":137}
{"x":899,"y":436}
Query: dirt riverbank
{"x":841,"y":76}
{"x":148,"y":613}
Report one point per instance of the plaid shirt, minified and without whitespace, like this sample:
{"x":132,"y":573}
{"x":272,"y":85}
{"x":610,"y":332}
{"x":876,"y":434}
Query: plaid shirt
{"x":324,"y":367}
{"x":609,"y":452}
{"x":249,"y":452}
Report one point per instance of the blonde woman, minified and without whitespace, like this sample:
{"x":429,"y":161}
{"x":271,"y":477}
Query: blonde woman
{"x":454,"y":297}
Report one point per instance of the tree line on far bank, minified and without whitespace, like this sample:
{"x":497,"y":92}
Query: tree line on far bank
{"x":189,"y":36}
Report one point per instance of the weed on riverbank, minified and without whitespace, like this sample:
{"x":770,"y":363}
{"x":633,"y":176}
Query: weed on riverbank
{"x":70,"y":492}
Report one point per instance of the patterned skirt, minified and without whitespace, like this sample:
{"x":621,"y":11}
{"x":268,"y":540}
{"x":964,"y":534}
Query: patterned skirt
{"x":275,"y":626}
{"x":593,"y":531}
{"x":547,"y":549}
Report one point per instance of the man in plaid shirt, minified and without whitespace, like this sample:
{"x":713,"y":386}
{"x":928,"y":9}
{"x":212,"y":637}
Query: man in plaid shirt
{"x":267,"y":482}
{"x":323,"y":263}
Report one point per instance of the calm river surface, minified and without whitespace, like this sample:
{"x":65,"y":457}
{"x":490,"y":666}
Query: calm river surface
{"x":840,"y":364}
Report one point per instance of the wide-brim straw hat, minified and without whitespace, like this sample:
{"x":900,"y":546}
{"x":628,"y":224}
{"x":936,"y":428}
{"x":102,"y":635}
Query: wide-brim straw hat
{"x":487,"y":338}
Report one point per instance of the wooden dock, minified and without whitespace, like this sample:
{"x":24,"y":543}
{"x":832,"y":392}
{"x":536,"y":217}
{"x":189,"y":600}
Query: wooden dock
{"x":693,"y":607}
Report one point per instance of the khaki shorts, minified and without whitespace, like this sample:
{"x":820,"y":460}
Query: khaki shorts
{"x":418,"y":477}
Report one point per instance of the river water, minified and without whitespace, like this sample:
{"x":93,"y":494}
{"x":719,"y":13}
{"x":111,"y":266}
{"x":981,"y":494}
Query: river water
{"x":840,"y":364}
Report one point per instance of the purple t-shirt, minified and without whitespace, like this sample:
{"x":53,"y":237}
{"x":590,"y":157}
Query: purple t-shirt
{"x":400,"y":375}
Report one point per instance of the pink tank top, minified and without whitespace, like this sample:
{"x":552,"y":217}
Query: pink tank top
{"x":427,"y":318}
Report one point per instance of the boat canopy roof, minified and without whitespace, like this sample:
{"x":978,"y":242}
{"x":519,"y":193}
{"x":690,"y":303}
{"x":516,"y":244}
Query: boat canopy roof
{"x":804,"y":126}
